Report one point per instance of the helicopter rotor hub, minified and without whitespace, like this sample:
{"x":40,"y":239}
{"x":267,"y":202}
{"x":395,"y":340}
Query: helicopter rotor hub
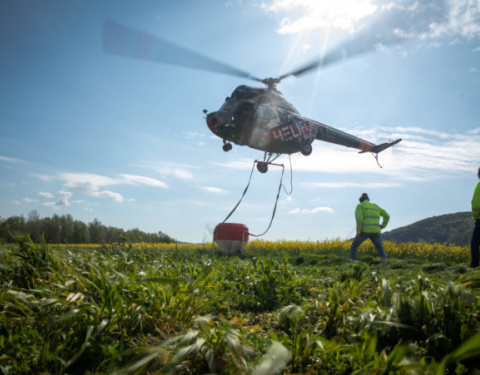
{"x":271,"y":83}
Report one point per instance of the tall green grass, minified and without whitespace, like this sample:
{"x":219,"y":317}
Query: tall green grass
{"x":286,"y":307}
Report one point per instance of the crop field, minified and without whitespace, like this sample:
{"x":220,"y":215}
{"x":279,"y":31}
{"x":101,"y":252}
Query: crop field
{"x":279,"y":308}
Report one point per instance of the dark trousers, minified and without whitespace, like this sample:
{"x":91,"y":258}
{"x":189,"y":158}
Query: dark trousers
{"x":475,"y":244}
{"x":376,"y":239}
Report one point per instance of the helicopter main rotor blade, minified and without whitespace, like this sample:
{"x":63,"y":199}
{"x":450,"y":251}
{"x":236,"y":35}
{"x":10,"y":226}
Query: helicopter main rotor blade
{"x":122,"y":40}
{"x":391,"y":29}
{"x":348,"y":50}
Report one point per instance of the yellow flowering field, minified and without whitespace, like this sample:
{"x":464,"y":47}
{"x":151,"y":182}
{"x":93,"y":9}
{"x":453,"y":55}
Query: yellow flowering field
{"x":401,"y":251}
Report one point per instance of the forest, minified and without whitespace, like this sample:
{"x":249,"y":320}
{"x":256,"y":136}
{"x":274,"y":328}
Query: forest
{"x":65,"y":229}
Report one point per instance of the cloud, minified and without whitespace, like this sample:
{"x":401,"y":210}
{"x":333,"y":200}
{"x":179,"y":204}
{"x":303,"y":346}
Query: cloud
{"x":63,"y":201}
{"x":90,"y":184}
{"x":46,"y":195}
{"x":11,"y":160}
{"x":423,"y":155}
{"x":344,"y":185}
{"x":29,"y":200}
{"x":109,"y":195}
{"x":213,"y":189}
{"x":463,"y":20}
{"x":192,"y":135}
{"x":64,"y":193}
{"x":311,"y":210}
{"x":93,"y":184}
{"x":44,"y":177}
{"x":236,"y":164}
{"x":340,"y":14}
{"x":322,"y":209}
{"x":142,"y":180}
{"x":198,"y":137}
{"x":57,"y":204}
{"x":180,"y":171}
{"x":86,"y":182}
{"x":409,"y":18}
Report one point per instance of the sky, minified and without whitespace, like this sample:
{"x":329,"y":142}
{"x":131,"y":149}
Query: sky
{"x":124,"y":141}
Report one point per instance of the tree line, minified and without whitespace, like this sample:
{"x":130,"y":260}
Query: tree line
{"x":66,"y":230}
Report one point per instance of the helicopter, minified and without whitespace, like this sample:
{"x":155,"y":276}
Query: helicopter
{"x":258,"y":117}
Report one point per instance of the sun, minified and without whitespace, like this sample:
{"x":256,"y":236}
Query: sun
{"x":318,"y":24}
{"x":315,"y":14}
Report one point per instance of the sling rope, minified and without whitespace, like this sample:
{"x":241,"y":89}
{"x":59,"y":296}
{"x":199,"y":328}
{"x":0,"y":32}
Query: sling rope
{"x":276,"y":200}
{"x":274,"y":207}
{"x":244,"y":192}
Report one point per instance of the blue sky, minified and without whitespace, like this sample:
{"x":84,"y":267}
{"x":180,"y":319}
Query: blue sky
{"x":125,"y":141}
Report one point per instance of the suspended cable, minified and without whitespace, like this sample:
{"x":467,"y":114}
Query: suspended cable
{"x":276,"y":200}
{"x":244,"y":192}
{"x":291,"y":178}
{"x":274,"y":207}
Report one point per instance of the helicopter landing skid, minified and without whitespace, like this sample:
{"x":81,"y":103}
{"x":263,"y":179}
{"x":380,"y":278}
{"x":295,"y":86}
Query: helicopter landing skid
{"x":268,"y":159}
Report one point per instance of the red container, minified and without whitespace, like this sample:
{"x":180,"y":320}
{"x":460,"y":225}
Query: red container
{"x":231,"y":237}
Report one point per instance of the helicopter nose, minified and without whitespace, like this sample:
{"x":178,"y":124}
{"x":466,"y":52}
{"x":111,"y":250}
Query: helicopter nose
{"x":214,"y":121}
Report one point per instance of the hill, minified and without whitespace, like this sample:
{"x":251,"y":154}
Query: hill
{"x":452,"y":229}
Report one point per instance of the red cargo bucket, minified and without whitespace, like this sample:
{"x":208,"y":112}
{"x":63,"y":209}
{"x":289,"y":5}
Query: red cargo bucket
{"x":231,"y":237}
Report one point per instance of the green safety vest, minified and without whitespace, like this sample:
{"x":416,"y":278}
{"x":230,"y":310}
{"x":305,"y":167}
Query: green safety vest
{"x":368,"y":215}
{"x":476,"y":202}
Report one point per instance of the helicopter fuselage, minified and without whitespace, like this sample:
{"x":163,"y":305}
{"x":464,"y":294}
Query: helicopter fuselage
{"x":261,"y":119}
{"x":264,"y":120}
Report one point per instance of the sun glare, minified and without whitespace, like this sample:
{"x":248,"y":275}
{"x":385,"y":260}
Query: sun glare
{"x":336,"y":14}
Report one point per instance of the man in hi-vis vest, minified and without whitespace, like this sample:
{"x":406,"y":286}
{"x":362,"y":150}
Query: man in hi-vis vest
{"x":475,"y":242}
{"x":367,"y":215}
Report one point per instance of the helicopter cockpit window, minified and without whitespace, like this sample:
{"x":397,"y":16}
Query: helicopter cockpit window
{"x":229,"y":106}
{"x":244,"y":92}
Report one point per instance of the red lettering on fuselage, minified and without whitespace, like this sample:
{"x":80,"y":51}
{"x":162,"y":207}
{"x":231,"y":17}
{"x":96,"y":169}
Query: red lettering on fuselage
{"x":297,"y":131}
{"x":277,"y":134}
{"x":292,"y":131}
{"x":287,"y":132}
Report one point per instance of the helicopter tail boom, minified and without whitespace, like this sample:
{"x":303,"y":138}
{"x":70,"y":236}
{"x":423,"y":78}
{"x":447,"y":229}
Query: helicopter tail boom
{"x":379,"y":148}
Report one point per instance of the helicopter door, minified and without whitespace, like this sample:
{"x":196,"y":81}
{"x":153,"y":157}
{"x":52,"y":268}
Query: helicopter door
{"x":243,"y":119}
{"x":244,"y":113}
{"x":266,"y":117}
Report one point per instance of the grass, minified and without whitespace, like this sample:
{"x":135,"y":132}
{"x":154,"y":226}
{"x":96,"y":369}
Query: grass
{"x":279,"y":308}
